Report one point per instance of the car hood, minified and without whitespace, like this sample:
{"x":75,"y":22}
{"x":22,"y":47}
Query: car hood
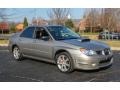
{"x":87,"y":43}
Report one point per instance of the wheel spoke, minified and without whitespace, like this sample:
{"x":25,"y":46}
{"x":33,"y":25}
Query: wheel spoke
{"x":62,"y":67}
{"x":67,"y":64}
{"x":65,"y":68}
{"x":16,"y":53}
{"x":59,"y":58}
{"x":62,"y":57}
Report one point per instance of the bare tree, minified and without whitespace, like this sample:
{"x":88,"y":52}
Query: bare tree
{"x":39,"y":21}
{"x":110,"y":18}
{"x":106,"y":18}
{"x":58,"y":15}
{"x":92,"y":16}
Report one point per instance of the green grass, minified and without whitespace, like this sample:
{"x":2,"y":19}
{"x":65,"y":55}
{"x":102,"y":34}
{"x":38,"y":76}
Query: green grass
{"x":112,"y":43}
{"x":94,"y":37}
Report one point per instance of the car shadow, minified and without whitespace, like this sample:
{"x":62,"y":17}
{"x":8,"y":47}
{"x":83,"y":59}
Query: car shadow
{"x":78,"y":70}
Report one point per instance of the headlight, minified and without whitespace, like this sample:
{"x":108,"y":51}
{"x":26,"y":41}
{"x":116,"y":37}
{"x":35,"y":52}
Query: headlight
{"x":87,"y":52}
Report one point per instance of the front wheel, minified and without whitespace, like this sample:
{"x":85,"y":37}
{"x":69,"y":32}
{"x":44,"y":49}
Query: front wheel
{"x":64,"y":62}
{"x":17,"y":54}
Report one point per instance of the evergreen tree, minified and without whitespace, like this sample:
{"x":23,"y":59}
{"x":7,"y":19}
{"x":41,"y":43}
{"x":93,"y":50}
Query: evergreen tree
{"x":25,"y":22}
{"x":69,"y":23}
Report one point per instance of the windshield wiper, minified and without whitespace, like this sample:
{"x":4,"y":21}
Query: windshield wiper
{"x":60,"y":38}
{"x":74,"y":38}
{"x":67,"y":38}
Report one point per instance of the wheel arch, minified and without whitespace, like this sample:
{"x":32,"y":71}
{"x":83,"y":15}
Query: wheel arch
{"x":60,"y":51}
{"x":14,"y":45}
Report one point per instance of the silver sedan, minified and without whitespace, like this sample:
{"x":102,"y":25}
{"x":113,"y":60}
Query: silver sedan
{"x":62,"y":46}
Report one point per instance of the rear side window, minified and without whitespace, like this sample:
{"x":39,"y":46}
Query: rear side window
{"x":28,"y":32}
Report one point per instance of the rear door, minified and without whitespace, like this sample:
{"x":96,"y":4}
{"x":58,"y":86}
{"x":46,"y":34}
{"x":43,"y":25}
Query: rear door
{"x":26,"y":41}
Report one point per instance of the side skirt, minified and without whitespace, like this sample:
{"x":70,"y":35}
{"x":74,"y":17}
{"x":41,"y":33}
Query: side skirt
{"x":40,"y":59}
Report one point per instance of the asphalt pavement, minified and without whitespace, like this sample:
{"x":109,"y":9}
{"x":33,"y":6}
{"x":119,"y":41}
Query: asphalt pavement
{"x":29,"y":70}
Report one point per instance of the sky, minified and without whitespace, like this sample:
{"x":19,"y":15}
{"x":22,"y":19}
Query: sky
{"x":18,"y":14}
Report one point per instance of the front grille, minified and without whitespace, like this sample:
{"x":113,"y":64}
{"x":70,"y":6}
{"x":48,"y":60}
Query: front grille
{"x":103,"y":52}
{"x":99,"y":52}
{"x":105,"y":61}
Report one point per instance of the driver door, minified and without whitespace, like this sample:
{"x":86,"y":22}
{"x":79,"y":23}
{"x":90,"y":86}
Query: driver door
{"x":42,"y":48}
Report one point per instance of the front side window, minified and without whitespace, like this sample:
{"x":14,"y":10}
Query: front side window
{"x":28,"y":32}
{"x":40,"y":32}
{"x":62,"y":33}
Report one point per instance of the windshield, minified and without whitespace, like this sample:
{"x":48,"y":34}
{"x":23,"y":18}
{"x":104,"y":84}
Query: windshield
{"x":62,"y":33}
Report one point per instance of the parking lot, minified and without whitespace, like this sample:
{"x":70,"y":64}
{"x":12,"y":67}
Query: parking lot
{"x":30,"y":70}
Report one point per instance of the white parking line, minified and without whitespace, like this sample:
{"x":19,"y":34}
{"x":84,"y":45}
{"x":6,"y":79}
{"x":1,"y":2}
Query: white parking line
{"x":91,"y":80}
{"x":28,"y":78}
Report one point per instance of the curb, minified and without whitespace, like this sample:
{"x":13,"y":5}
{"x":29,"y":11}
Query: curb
{"x":112,"y":48}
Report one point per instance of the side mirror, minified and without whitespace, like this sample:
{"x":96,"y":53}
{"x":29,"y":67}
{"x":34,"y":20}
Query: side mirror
{"x":45,"y":38}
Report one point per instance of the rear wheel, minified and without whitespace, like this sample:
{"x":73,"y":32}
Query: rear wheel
{"x":64,"y":62}
{"x":17,"y":54}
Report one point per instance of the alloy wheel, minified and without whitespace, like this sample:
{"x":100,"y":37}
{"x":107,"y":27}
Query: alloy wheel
{"x":16,"y":53}
{"x":63,"y":63}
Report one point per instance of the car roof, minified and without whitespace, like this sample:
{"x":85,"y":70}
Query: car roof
{"x":44,"y":25}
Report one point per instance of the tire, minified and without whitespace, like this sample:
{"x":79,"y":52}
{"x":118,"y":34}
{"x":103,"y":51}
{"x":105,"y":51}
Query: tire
{"x":17,"y":53}
{"x":64,"y":62}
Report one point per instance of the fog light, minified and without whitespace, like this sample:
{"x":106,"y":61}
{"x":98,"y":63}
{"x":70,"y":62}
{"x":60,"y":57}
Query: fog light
{"x":93,"y":64}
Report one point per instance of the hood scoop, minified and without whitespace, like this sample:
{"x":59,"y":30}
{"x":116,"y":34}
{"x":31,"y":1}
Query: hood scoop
{"x":84,"y":40}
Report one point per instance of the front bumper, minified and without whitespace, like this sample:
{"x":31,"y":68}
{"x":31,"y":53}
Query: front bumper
{"x":93,"y":62}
